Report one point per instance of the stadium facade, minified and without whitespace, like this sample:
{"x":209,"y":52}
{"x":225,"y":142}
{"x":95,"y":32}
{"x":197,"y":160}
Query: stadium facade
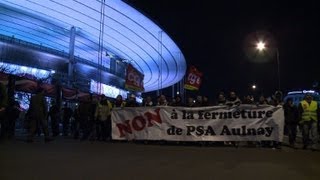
{"x":84,"y":43}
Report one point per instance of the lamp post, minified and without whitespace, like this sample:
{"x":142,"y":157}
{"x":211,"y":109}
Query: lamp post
{"x":261,"y":46}
{"x":278,"y":63}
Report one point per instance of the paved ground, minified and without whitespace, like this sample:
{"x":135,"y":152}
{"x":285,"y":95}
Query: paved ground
{"x":70,"y":159}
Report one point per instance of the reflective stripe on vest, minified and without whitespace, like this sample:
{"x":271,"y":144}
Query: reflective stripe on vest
{"x":309,"y":110}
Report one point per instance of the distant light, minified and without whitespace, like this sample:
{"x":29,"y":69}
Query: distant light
{"x":42,"y":72}
{"x":303,"y":92}
{"x":33,"y":71}
{"x":261,"y":46}
{"x":308,"y":91}
{"x":109,"y":91}
{"x":295,"y":92}
{"x":23,"y":68}
{"x":52,"y":71}
{"x":178,"y":92}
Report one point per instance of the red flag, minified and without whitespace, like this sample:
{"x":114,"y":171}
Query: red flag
{"x":69,"y":94}
{"x":193,"y":80}
{"x":26,"y":85}
{"x":50,"y":90}
{"x":134,"y":79}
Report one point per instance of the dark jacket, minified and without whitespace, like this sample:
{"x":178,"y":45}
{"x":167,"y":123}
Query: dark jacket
{"x":291,"y":114}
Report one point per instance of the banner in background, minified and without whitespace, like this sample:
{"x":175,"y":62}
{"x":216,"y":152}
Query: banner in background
{"x":69,"y":94}
{"x":134,"y":79}
{"x":193,"y":80}
{"x":215,"y":123}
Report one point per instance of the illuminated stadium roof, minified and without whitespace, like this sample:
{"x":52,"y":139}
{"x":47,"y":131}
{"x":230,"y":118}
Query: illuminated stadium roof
{"x":127,"y":34}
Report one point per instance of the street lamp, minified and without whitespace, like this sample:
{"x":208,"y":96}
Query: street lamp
{"x":261,"y":46}
{"x":254,"y":87}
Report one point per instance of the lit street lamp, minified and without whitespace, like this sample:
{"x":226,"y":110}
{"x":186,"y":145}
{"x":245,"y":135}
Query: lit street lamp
{"x":261,"y":46}
{"x":254,"y":87}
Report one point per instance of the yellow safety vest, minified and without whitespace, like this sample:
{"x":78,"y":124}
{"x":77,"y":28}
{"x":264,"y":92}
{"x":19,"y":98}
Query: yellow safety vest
{"x":309,"y":111}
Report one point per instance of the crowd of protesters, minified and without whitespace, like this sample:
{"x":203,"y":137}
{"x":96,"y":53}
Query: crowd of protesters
{"x":91,"y":119}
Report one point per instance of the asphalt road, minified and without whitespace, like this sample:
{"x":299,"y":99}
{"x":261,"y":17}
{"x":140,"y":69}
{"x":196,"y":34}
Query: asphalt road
{"x":71,"y":159}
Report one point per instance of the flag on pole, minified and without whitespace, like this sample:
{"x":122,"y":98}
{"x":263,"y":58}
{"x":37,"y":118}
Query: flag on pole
{"x":193,"y":80}
{"x":134,"y":79}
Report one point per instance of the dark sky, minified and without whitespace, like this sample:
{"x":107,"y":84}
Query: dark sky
{"x":212,"y":36}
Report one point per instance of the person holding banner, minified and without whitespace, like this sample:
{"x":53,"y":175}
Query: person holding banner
{"x":205,"y":101}
{"x":233,"y":99}
{"x":162,"y":100}
{"x":147,"y":102}
{"x":308,"y":119}
{"x":221,"y":99}
{"x":131,"y":101}
{"x":190,"y":102}
{"x":119,"y":102}
{"x":198,"y":101}
{"x":178,"y":101}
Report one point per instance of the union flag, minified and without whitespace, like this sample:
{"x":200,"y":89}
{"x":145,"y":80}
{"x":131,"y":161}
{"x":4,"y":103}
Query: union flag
{"x":194,"y":79}
{"x":134,"y":79}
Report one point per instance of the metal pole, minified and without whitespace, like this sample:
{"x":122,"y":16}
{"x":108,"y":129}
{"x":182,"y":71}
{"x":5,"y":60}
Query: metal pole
{"x":278,"y":63}
{"x":172,"y":91}
{"x":71,"y":63}
{"x":159,"y":91}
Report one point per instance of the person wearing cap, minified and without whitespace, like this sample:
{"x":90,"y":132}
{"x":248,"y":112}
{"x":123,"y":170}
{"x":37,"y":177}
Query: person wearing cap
{"x":308,"y":118}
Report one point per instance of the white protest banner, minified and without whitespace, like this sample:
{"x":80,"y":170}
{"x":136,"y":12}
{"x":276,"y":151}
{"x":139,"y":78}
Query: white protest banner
{"x":214,"y":123}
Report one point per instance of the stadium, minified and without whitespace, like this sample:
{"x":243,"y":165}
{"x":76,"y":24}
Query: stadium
{"x":86,"y":45}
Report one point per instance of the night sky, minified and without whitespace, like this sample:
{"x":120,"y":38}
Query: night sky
{"x":213,"y":36}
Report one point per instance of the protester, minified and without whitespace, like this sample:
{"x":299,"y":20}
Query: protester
{"x":12,"y":113}
{"x":190,"y":102}
{"x":119,"y":102}
{"x":82,"y":116}
{"x":262,"y":100}
{"x":221,"y":100}
{"x":291,"y":120}
{"x":205,"y":101}
{"x":198,"y":102}
{"x":162,"y":100}
{"x":248,"y":99}
{"x":67,"y":114}
{"x":3,"y":106}
{"x":233,"y":99}
{"x":54,"y":114}
{"x":131,"y":102}
{"x":103,"y":118}
{"x":308,"y":117}
{"x":38,"y":114}
{"x":147,"y":102}
{"x":178,"y":101}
